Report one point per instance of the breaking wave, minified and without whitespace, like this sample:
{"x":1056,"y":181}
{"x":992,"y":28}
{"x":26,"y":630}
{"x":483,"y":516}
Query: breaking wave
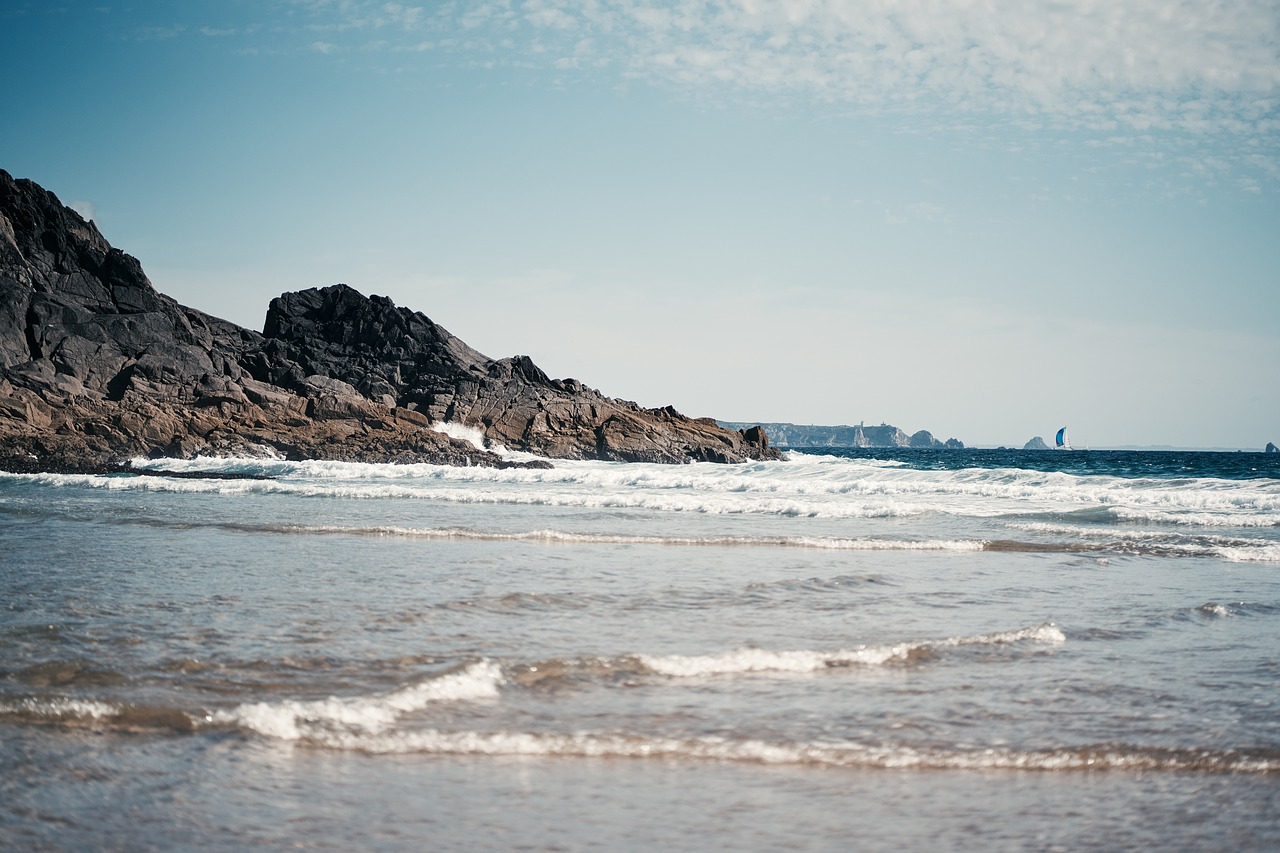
{"x":1162,"y":543}
{"x":806,"y":486}
{"x":1106,"y":757}
{"x":566,"y":537}
{"x":294,"y":719}
{"x":761,"y":660}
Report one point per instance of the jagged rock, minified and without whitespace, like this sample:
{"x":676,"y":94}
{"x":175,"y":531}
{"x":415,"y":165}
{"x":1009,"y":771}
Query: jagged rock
{"x":1271,"y":448}
{"x":96,"y":365}
{"x":1036,"y":443}
{"x":401,"y":357}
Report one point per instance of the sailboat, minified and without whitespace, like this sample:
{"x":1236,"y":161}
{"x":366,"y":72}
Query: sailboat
{"x":1060,"y":441}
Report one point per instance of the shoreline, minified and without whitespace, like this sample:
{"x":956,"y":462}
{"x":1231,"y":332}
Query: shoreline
{"x":28,"y":464}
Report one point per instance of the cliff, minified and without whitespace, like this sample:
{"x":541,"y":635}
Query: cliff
{"x":807,"y":435}
{"x":97,"y":366}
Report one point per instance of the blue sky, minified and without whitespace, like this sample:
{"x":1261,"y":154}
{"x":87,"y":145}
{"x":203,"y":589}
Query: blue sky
{"x":985,"y":219}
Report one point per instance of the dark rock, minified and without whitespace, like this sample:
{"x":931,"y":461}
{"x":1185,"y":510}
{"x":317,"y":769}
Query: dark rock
{"x":404,"y":360}
{"x":1271,"y":448}
{"x":97,"y":366}
{"x":755,"y":435}
{"x":1036,"y":443}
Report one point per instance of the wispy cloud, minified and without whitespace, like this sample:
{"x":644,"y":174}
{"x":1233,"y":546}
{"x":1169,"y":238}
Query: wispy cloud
{"x":1196,"y":66}
{"x":1142,"y":64}
{"x":1115,"y":71}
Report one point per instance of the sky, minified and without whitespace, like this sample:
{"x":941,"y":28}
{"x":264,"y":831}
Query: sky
{"x":983,"y":218}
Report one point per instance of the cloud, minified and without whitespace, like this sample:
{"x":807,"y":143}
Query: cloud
{"x":1198,"y":66}
{"x":1201,"y":70}
{"x":1144,"y":64}
{"x":83,"y":207}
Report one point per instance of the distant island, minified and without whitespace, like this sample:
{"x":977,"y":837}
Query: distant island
{"x":884,"y":435}
{"x":97,"y":367}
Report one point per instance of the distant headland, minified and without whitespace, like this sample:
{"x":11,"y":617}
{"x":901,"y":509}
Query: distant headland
{"x":97,"y":367}
{"x":884,"y":435}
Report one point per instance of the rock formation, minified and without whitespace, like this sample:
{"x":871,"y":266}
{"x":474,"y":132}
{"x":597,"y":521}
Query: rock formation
{"x":1271,"y":448}
{"x":1036,"y":443}
{"x":807,"y":435}
{"x":97,"y":366}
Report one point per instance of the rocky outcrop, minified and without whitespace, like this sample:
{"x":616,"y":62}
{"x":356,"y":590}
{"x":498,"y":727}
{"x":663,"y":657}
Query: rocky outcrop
{"x":402,"y":359}
{"x":885,"y":435}
{"x":96,"y":366}
{"x":1036,"y":443}
{"x":1271,"y":448}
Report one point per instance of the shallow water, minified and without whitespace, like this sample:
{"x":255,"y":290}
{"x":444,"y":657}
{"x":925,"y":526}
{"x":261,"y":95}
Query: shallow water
{"x":913,"y":648}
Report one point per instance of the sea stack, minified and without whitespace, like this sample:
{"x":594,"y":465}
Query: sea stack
{"x":96,"y":366}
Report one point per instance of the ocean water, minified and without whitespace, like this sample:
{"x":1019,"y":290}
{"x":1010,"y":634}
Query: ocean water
{"x":878,"y":650}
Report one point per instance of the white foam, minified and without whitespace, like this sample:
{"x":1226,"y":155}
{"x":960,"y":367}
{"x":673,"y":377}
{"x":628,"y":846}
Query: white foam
{"x":1223,"y":518}
{"x":567,"y":537}
{"x":761,"y":660}
{"x":297,"y":719}
{"x":808,"y":486}
{"x":1264,"y":554}
{"x":1232,"y":548}
{"x":835,"y":754}
{"x":461,"y":432}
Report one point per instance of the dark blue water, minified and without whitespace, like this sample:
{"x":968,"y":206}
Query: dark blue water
{"x":1158,"y":464}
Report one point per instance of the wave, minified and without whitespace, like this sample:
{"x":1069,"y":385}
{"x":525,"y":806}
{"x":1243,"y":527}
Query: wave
{"x":1159,"y":543}
{"x":813,"y":486}
{"x":807,"y":487}
{"x":443,"y":488}
{"x":295,"y":719}
{"x":1096,"y":536}
{"x":1105,"y":757}
{"x":383,"y":723}
{"x":298,"y":719}
{"x":567,"y":537}
{"x":1189,"y":518}
{"x":331,"y":725}
{"x":761,"y":660}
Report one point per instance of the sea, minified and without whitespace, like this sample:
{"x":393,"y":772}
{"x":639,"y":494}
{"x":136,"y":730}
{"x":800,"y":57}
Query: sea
{"x":881,"y":649}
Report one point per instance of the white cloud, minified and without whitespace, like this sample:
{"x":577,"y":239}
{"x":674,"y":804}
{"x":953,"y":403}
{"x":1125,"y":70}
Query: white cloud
{"x":1203,"y":70}
{"x":1165,"y":64}
{"x":83,"y":207}
{"x":1187,"y":64}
